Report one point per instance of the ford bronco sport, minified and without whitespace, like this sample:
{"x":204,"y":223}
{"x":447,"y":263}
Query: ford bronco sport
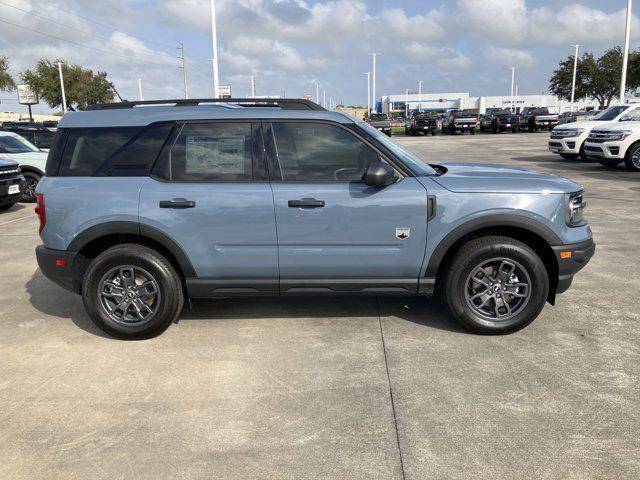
{"x":146,"y":204}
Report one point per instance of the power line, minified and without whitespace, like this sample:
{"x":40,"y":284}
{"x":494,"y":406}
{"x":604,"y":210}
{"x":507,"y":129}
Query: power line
{"x":128,"y":57}
{"x":97,"y":35}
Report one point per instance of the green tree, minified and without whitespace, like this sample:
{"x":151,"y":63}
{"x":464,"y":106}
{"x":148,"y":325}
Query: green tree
{"x":6,"y":82}
{"x":597,"y":78}
{"x":82,"y":86}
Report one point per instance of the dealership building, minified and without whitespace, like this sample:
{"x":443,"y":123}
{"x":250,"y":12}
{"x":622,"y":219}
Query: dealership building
{"x":442,"y":102}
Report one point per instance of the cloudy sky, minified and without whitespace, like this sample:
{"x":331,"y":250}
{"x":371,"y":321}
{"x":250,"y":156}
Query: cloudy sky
{"x":452,"y":46}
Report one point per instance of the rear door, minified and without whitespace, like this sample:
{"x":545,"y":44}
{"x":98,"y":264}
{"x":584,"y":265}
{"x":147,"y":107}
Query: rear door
{"x":209,"y":192}
{"x":334,"y":232}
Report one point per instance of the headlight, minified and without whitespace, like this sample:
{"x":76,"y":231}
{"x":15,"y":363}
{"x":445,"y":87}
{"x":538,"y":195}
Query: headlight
{"x":574,"y":208}
{"x":619,"y":135}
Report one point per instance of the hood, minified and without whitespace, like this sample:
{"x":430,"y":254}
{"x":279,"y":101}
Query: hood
{"x":618,"y":126}
{"x":7,"y":162}
{"x":495,"y":178}
{"x":586,"y":124}
{"x":37,"y":159}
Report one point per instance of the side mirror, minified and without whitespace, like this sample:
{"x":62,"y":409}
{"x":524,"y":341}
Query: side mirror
{"x":379,"y":174}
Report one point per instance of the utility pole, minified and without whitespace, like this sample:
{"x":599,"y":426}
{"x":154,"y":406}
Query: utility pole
{"x":324,"y":99}
{"x":214,"y":45}
{"x":575,"y":68}
{"x":318,"y":93}
{"x":253,"y":86}
{"x":420,"y":95}
{"x":625,"y":54}
{"x":64,"y":98}
{"x":513,"y":78}
{"x":373,"y":83}
{"x":368,"y":74}
{"x":184,"y":69}
{"x":140,"y":89}
{"x":406,"y":103}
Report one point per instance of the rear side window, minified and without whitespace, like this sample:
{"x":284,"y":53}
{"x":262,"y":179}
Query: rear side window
{"x":87,"y":149}
{"x":211,"y":152}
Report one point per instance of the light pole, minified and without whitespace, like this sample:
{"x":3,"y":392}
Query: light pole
{"x":64,"y":98}
{"x":324,"y":99}
{"x":573,"y":82}
{"x":368,"y":74}
{"x":373,"y":83}
{"x":513,"y":78}
{"x":184,"y":69}
{"x":318,"y":93}
{"x":214,"y":45}
{"x":140,"y":89}
{"x":420,"y":95}
{"x":253,"y":86}
{"x":406,"y":102}
{"x":625,"y":54}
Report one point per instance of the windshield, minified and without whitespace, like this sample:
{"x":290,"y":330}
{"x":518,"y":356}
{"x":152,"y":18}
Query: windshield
{"x":610,"y":113}
{"x":11,"y":144}
{"x":417,"y":165}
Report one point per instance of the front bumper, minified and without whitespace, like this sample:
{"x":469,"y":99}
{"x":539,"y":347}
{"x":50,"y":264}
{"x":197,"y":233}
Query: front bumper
{"x":606,"y":150}
{"x":571,"y":259}
{"x":5,"y":184}
{"x":59,"y":267}
{"x":566,"y":145}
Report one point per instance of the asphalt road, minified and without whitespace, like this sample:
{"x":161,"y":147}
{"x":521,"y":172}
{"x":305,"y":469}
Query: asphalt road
{"x":349,"y":388}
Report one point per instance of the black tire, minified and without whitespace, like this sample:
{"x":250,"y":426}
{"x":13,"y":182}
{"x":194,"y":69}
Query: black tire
{"x":434,"y":133}
{"x":32,"y":180}
{"x":632,"y":158}
{"x":6,"y":207}
{"x":514,"y":130}
{"x":583,"y":154}
{"x":406,"y":131}
{"x":167,"y":304}
{"x":472,"y":132}
{"x":485,"y":249}
{"x":569,"y":156}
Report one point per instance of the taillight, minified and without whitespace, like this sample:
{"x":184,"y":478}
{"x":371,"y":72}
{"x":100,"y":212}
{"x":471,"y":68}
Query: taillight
{"x":413,"y":122}
{"x":453,"y":120}
{"x":497,"y":119}
{"x":535,"y":119}
{"x":40,"y":210}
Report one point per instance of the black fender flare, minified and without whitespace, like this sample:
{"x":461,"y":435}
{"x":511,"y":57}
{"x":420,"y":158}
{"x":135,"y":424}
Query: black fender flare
{"x":134,"y":228}
{"x":488,"y":221}
{"x":29,"y":168}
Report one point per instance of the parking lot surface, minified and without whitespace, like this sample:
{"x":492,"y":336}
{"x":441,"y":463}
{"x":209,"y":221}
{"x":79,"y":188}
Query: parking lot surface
{"x":353,"y":388}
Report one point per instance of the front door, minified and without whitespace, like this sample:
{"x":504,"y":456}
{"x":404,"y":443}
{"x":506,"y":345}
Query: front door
{"x":334,"y":232}
{"x":210,"y":194}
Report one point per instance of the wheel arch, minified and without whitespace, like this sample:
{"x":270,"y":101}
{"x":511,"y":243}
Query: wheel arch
{"x":95,"y":240}
{"x":530,"y":232}
{"x":31,"y":169}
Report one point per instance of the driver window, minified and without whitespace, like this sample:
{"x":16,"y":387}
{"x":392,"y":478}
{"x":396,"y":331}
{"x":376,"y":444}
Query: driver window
{"x":632,"y":116}
{"x":319,"y":152}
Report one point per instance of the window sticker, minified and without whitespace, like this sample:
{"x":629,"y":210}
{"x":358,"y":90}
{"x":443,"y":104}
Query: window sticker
{"x":215,"y":155}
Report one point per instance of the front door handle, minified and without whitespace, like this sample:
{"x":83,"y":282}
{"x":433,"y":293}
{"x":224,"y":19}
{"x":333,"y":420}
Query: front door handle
{"x":177,"y":203}
{"x":306,"y":202}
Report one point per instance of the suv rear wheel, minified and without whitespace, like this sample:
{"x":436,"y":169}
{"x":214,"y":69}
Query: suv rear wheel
{"x":496,"y":285}
{"x":131,"y":292}
{"x":31,"y":180}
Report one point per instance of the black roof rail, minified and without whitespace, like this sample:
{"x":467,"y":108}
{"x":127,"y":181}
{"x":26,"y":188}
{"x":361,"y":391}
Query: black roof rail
{"x":283,"y":103}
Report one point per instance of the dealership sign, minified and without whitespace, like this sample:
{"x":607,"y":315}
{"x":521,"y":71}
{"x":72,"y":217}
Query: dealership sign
{"x":26,"y":96}
{"x":224,"y":91}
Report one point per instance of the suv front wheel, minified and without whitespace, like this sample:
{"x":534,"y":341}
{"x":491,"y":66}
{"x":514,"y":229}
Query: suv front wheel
{"x":496,"y":285}
{"x":132,"y":292}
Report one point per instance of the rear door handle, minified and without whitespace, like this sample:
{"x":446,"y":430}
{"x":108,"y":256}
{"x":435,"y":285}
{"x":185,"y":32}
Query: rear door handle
{"x":177,"y":203}
{"x":306,"y":202}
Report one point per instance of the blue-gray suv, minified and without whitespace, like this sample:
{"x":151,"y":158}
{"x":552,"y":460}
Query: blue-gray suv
{"x":147,"y":204}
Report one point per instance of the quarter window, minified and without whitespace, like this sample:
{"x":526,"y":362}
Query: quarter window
{"x":320,"y":152}
{"x":221,"y":152}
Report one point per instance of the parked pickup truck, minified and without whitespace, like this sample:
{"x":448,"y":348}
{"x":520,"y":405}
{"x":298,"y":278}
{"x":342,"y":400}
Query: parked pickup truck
{"x":142,"y":209}
{"x":616,"y":142}
{"x":501,"y":121}
{"x":381,"y":121}
{"x":568,"y":140}
{"x":422,"y":122}
{"x":461,"y":121}
{"x":537,"y":118}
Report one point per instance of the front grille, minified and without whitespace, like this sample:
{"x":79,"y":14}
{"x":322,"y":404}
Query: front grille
{"x":555,"y":144}
{"x":593,"y":149}
{"x":6,"y":172}
{"x":599,"y":136}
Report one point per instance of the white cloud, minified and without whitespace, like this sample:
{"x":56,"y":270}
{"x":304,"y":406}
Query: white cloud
{"x":508,"y":57}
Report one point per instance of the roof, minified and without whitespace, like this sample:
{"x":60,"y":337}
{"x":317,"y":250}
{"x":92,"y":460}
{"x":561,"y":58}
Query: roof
{"x":138,"y":114}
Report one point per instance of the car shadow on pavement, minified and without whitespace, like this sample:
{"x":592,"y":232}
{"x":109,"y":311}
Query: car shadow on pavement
{"x":16,"y":208}
{"x":52,"y":300}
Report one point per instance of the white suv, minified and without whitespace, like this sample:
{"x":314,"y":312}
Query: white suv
{"x":616,"y":142}
{"x":31,"y":159}
{"x":569,"y":139}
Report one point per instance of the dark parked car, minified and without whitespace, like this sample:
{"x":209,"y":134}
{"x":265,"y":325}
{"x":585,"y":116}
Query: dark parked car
{"x":461,"y":121}
{"x":570,"y":117}
{"x":380,"y":121}
{"x":38,"y":133}
{"x":501,"y":121}
{"x":422,"y":122}
{"x":538,"y":118}
{"x":11,"y":183}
